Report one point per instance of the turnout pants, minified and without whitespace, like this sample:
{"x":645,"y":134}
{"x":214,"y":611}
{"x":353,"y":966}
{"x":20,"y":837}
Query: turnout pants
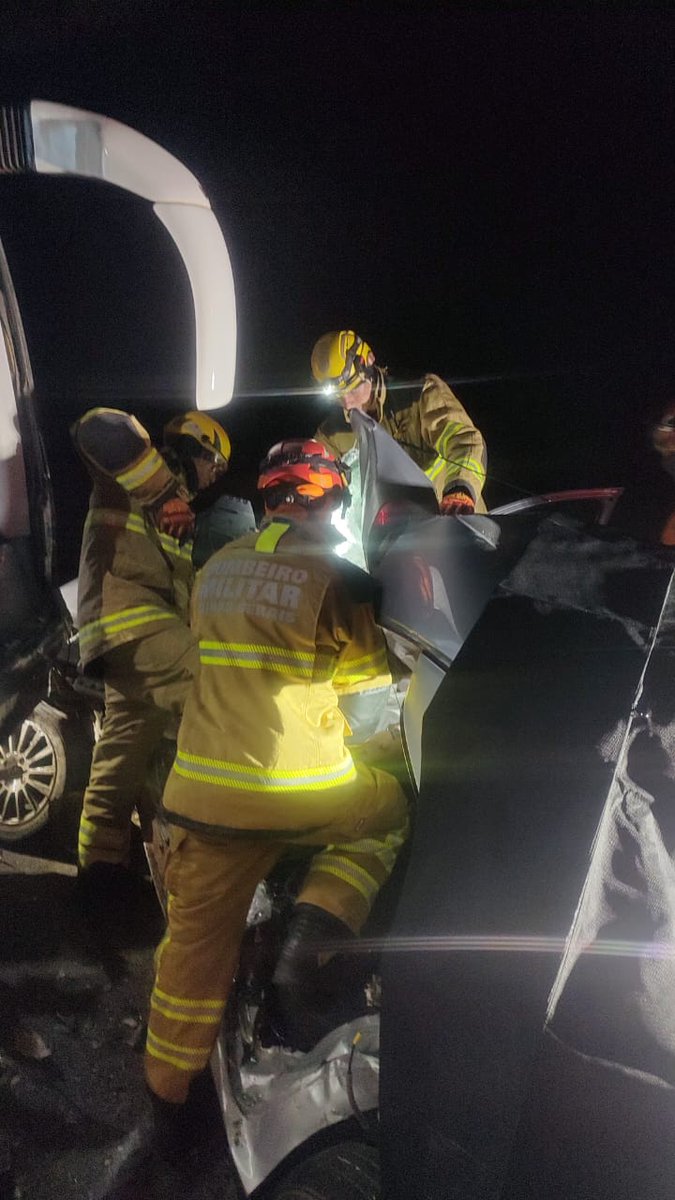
{"x":146,"y":683}
{"x":210,"y":887}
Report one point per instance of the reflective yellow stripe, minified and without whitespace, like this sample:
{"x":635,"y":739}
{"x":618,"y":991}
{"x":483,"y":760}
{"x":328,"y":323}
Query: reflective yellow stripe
{"x":261,"y":657}
{"x":375,"y":683}
{"x":250,"y":656}
{"x":446,"y":459}
{"x":373,"y":668}
{"x":177,"y":549}
{"x":266,"y":542}
{"x":385,"y":851}
{"x":259,"y":647}
{"x":127,"y":618}
{"x":352,"y":669}
{"x":186,"y":1051}
{"x":90,"y":831}
{"x":281,"y":668}
{"x":133,"y":523}
{"x":106,"y":838}
{"x":141,"y":471}
{"x":456,"y":469}
{"x":114,"y":519}
{"x":435,"y":469}
{"x":441,"y":447}
{"x":243,"y":777}
{"x":472,"y":465}
{"x":447,"y":434}
{"x":188,"y":1019}
{"x":360,"y":880}
{"x":378,"y":657}
{"x":175,"y":1062}
{"x":185,"y":1003}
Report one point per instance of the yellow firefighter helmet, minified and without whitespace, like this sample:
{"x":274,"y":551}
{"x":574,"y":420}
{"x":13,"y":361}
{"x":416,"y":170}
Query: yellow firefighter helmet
{"x":199,"y":428}
{"x":340,"y":360}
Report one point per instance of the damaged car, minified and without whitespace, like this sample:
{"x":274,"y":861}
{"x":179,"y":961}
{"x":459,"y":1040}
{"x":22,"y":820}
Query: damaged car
{"x":502,"y":978}
{"x":514,"y":1035}
{"x":35,"y":628}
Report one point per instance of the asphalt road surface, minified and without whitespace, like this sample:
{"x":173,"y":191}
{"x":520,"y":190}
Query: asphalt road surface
{"x":74,"y":1116}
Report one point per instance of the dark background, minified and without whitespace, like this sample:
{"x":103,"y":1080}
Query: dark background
{"x":479,"y":191}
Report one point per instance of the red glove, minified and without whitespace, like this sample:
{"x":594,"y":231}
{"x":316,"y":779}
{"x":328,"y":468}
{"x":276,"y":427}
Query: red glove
{"x":176,"y":518}
{"x":455,"y":504}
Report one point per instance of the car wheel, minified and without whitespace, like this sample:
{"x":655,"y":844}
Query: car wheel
{"x":32,"y":773}
{"x":348,"y":1171}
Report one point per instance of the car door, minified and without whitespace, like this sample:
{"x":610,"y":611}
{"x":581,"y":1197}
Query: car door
{"x":33,"y":623}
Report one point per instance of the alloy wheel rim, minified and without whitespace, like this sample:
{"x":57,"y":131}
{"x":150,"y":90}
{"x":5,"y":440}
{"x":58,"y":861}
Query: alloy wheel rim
{"x":27,"y":774}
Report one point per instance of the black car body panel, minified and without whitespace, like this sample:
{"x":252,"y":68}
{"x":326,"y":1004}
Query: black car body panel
{"x":33,"y":622}
{"x":527,"y":1029}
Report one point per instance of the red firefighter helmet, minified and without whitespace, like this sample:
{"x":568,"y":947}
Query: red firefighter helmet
{"x":303,"y":471}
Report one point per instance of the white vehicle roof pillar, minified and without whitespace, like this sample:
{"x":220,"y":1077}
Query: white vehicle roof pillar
{"x":54,"y":139}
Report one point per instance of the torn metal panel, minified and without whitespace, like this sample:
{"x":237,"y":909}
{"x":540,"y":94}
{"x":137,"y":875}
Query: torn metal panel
{"x":285,"y":1097}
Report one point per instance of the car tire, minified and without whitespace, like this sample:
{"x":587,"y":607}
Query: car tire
{"x":348,"y":1171}
{"x":32,"y":773}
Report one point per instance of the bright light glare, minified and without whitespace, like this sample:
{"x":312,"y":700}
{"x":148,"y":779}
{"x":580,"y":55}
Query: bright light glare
{"x":505,"y":944}
{"x":329,"y":389}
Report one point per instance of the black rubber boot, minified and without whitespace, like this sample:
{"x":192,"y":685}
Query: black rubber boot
{"x":172,"y":1131}
{"x":307,"y":992}
{"x":7,"y":1180}
{"x":117,"y":905}
{"x":181,"y":1133}
{"x":103,"y":879}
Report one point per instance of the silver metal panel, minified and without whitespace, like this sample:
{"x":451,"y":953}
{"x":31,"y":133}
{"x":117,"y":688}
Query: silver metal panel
{"x":290,"y":1096}
{"x":425,"y":682}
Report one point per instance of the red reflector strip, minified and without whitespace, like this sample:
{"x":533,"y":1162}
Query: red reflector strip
{"x":394,"y":511}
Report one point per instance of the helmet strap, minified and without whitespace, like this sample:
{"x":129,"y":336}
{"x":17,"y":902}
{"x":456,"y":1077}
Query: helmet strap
{"x":181,"y":465}
{"x":378,"y":378}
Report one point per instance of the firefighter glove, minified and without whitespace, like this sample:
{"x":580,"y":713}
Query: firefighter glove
{"x":457,"y":503}
{"x":176,"y":518}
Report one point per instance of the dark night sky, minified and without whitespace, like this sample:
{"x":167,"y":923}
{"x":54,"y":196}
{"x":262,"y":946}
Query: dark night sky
{"x":479,"y":190}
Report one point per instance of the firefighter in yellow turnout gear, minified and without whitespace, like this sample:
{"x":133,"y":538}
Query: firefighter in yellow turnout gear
{"x":134,"y":590}
{"x":286,"y":631}
{"x":430,"y":423}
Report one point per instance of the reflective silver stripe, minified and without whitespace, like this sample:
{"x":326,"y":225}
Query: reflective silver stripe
{"x":241,"y":654}
{"x":134,"y":523}
{"x":465,"y":462}
{"x":367,"y":669}
{"x":441,"y":447}
{"x":249,"y":778}
{"x":385,"y":850}
{"x":141,"y":471}
{"x":186,"y":1058}
{"x":126,"y":618}
{"x":113,"y":516}
{"x":178,"y":549}
{"x":349,"y":872}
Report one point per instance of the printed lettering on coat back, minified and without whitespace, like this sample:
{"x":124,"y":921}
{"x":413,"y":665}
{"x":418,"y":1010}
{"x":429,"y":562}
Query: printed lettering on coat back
{"x":263,"y":588}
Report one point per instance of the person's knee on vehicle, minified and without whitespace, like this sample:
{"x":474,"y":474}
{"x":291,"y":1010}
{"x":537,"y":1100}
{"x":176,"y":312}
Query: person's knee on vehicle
{"x":335,"y":900}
